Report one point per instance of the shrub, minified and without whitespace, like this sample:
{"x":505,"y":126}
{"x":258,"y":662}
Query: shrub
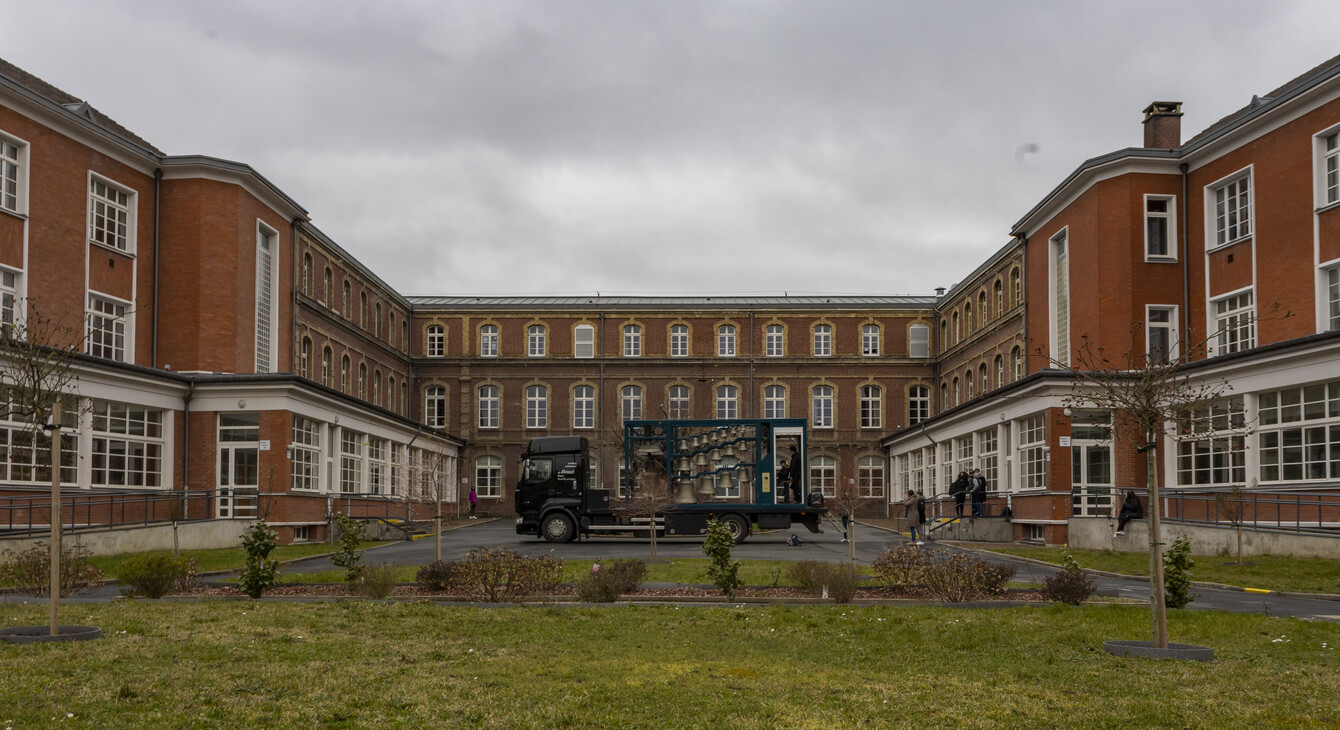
{"x":377,"y":581}
{"x":806,"y":575}
{"x":500,"y":575}
{"x":349,"y":556}
{"x":1072,"y":585}
{"x":438,"y":576}
{"x":156,"y":574}
{"x":841,"y":580}
{"x":901,"y":565}
{"x":722,"y":571}
{"x":1177,"y":565}
{"x":30,"y":571}
{"x":260,"y":572}
{"x":607,"y":581}
{"x":957,"y":578}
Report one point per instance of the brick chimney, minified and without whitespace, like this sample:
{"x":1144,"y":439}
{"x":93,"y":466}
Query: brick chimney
{"x":1163,"y":124}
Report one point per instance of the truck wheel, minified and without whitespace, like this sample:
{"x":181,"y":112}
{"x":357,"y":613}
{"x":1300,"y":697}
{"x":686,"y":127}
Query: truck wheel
{"x":738,"y":526}
{"x":557,"y":527}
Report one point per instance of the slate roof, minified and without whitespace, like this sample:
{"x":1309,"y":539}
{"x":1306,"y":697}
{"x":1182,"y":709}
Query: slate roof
{"x":673,"y":302}
{"x":74,"y":105}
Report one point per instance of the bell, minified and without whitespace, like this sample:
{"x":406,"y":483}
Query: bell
{"x":700,"y":459}
{"x":682,"y":464}
{"x":730,"y":449}
{"x":716,"y":455}
{"x":725,"y":481}
{"x":684,"y":492}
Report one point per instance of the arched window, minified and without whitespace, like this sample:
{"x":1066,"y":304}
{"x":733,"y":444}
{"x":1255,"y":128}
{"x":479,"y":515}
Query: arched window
{"x":488,"y":340}
{"x":679,"y":401}
{"x":390,"y":393}
{"x":679,"y":340}
{"x":326,"y":357}
{"x":944,"y":397}
{"x":870,"y":477}
{"x":1000,"y":371}
{"x":872,"y":406}
{"x":307,"y":274}
{"x":363,"y":309}
{"x":377,"y":320}
{"x":982,"y":312}
{"x":584,"y":341}
{"x":967,"y":318}
{"x":584,"y":407}
{"x":726,"y":340}
{"x":435,"y":406}
{"x":305,"y":358}
{"x":489,"y":400}
{"x":1017,"y":357}
{"x":968,"y":389}
{"x":362,"y":381}
{"x":328,"y":292}
{"x":436,"y":343}
{"x":998,"y":294}
{"x":728,"y":402}
{"x":404,"y":334}
{"x":536,"y":345}
{"x":944,"y":337}
{"x":823,"y":340}
{"x":958,"y":334}
{"x":344,"y":374}
{"x":821,"y":406}
{"x":823,"y":475}
{"x":347,"y":308}
{"x":772,"y":341}
{"x":632,"y":340}
{"x":918,"y":404}
{"x":981,"y":377}
{"x":376,"y":387}
{"x":630,"y":402}
{"x":870,"y":340}
{"x":1016,"y":288}
{"x":774,"y":401}
{"x":537,"y":406}
{"x":957,"y":392}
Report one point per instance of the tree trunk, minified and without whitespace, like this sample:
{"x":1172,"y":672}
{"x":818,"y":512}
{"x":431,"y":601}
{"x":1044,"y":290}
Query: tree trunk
{"x":55,"y":518}
{"x":437,"y":528}
{"x":851,"y":537}
{"x":1160,"y":609}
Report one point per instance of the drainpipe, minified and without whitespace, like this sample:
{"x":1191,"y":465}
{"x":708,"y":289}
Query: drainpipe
{"x":752,"y":394}
{"x":1186,"y":265}
{"x":186,"y":437}
{"x":296,"y":344}
{"x":158,"y":185}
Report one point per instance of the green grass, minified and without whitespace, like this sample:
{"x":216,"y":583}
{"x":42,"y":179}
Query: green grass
{"x":1270,"y":572}
{"x":225,"y":558}
{"x":354,"y":664}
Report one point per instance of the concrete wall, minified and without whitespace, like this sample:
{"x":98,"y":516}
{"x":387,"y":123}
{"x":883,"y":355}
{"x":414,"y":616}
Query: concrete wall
{"x":1095,"y":533}
{"x":982,"y":529}
{"x":191,"y":536}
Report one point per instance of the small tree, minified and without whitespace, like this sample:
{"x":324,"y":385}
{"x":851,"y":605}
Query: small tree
{"x":260,"y":573}
{"x":722,"y":571}
{"x":1232,"y":505}
{"x":428,"y":476}
{"x":650,"y":495}
{"x":349,"y":556}
{"x":1177,"y":573}
{"x":846,"y":501}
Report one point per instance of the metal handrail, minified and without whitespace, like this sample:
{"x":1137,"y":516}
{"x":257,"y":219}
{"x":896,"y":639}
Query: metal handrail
{"x":1302,"y":511}
{"x":31,"y":516}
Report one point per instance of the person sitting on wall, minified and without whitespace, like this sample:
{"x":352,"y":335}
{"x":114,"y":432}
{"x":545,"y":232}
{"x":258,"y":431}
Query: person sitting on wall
{"x":1131,"y":509}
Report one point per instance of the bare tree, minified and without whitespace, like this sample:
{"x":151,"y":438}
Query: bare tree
{"x":846,"y":500}
{"x":650,"y":495}
{"x":37,"y":373}
{"x":1232,"y":505}
{"x":428,"y":476}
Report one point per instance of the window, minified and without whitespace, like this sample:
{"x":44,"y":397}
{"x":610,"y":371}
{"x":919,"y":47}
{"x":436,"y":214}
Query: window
{"x":774,"y":401}
{"x":726,"y":340}
{"x":305,"y":358}
{"x":362,"y":380}
{"x":13,"y":156}
{"x":965,"y":444}
{"x":377,"y":320}
{"x":957,"y":391}
{"x":823,"y":475}
{"x":537,"y":406}
{"x":870,"y":340}
{"x":1328,"y":191}
{"x":981,"y":308}
{"x":772,"y":341}
{"x":944,"y":335}
{"x":1160,"y":335}
{"x":1211,"y":446}
{"x":265,"y":264}
{"x":728,"y":397}
{"x":1017,"y":358}
{"x":106,"y":329}
{"x":351,"y":462}
{"x":1016,"y":288}
{"x":127,"y":445}
{"x":998,"y":295}
{"x":9,"y":297}
{"x":870,"y":477}
{"x":488,"y":340}
{"x":823,"y":340}
{"x":1333,"y":297}
{"x":584,"y":341}
{"x":1299,"y":437}
{"x":679,"y":401}
{"x":363,"y":309}
{"x":821,"y":406}
{"x":679,"y":340}
{"x":344,"y":374}
{"x":326,"y":358}
{"x":307,"y":274}
{"x":1060,"y":298}
{"x":377,"y":465}
{"x":404,"y":334}
{"x":872,"y":406}
{"x":489,"y":399}
{"x":968,"y":389}
{"x":918,"y":404}
{"x":346,"y":299}
{"x":630,"y":402}
{"x":1232,"y":210}
{"x":390,"y":391}
{"x":1000,"y":370}
{"x":584,"y":407}
{"x":535,"y":346}
{"x":110,"y":219}
{"x":987,"y":457}
{"x":1032,"y":454}
{"x":919,"y":341}
{"x":981,"y":378}
{"x":1159,"y":219}
{"x":377,"y":387}
{"x":328,"y":290}
{"x":632,"y":340}
{"x":488,"y":477}
{"x":1234,"y":323}
{"x":404,"y":396}
{"x":968,"y":322}
{"x":436,"y":341}
{"x":955,"y":328}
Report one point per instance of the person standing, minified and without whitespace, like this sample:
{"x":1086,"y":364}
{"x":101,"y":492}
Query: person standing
{"x":978,"y":483}
{"x":1131,"y":509}
{"x":959,"y":490}
{"x":794,"y":472}
{"x":474,"y":500}
{"x":913,"y":516}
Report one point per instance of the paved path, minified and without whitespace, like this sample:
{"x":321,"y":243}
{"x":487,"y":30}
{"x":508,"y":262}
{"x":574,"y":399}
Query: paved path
{"x":828,"y":546}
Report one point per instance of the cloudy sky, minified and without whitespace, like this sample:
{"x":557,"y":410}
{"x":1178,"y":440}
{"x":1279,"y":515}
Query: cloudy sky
{"x":725,"y":146}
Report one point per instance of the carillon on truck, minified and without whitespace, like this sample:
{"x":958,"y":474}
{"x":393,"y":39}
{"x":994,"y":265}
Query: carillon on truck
{"x":722,"y":469}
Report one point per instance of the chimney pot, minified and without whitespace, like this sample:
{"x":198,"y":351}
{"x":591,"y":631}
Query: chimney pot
{"x":1163,"y":125}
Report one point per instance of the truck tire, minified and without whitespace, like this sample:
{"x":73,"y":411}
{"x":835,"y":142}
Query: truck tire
{"x":557,"y":527}
{"x":738,"y":526}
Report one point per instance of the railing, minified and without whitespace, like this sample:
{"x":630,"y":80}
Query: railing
{"x":31,"y":516}
{"x":1302,"y":511}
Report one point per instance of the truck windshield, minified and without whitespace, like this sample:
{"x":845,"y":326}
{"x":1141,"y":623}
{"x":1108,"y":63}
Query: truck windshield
{"x":538,"y":470}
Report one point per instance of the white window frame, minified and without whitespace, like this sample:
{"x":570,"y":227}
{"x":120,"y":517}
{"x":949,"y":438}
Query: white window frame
{"x":870,"y":340}
{"x":919,"y":340}
{"x":728,"y":402}
{"x":488,"y":340}
{"x":870,"y":477}
{"x":489,"y":400}
{"x":267,"y":294}
{"x":823,"y":475}
{"x":872,"y":406}
{"x":1326,"y":167}
{"x":823,"y":340}
{"x":488,"y":477}
{"x":1032,"y":452}
{"x":121,"y":324}
{"x":1244,"y":330}
{"x":678,"y":399}
{"x":435,"y":340}
{"x":1234,"y":188}
{"x":630,"y":403}
{"x":584,"y":342}
{"x":10,"y":299}
{"x":726,"y":340}
{"x":821,"y":406}
{"x":13,"y":175}
{"x":679,"y":340}
{"x":918,"y":404}
{"x":536,"y":340}
{"x":101,"y":205}
{"x":537,"y":406}
{"x":632,"y":340}
{"x":1329,"y":301}
{"x":435,"y":406}
{"x":351,"y":462}
{"x":1169,"y":218}
{"x":1058,"y":299}
{"x":127,"y":446}
{"x":1170,"y":327}
{"x":774,"y":401}
{"x":773,"y":341}
{"x":584,"y":407}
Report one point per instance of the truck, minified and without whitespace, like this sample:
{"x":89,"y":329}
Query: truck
{"x":690,"y":471}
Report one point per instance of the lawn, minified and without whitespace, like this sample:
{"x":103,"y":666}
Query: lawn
{"x":1271,"y":572}
{"x":690,"y":570}
{"x":237,"y":663}
{"x":208,"y":561}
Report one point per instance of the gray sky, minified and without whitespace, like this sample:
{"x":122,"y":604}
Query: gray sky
{"x":554,"y":146}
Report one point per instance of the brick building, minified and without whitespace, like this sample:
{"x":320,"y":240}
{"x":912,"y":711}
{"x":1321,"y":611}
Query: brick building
{"x":232,"y":350}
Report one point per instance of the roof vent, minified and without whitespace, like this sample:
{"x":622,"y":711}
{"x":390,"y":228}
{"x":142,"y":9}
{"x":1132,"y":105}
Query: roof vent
{"x":1259,"y":100}
{"x":81,"y":108}
{"x":1163,"y":125}
{"x":939,"y":291}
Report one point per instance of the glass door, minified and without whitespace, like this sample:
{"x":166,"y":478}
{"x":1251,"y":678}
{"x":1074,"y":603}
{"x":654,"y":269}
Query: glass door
{"x":1091,"y":480}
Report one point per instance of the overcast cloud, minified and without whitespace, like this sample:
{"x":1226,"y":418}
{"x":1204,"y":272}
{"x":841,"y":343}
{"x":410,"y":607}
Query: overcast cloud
{"x":546,"y":146}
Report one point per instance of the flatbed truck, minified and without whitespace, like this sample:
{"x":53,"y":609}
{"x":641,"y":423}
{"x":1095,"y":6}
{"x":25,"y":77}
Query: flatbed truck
{"x":690,"y":471}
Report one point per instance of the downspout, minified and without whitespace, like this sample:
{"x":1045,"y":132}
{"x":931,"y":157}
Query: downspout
{"x":186,"y":437}
{"x":1186,"y":265}
{"x":158,"y":186}
{"x":600,"y":403}
{"x":752,"y":354}
{"x":293,"y":314}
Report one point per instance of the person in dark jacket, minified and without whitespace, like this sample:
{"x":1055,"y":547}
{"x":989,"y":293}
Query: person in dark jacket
{"x":977,"y":490}
{"x":784,"y":480}
{"x":959,"y":490}
{"x":1131,"y":509}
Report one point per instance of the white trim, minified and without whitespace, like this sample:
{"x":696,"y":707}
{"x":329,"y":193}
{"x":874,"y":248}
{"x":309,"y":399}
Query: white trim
{"x":272,"y":237}
{"x":1171,"y":233}
{"x":23,"y":163}
{"x":1209,"y":207}
{"x":1319,"y":169}
{"x":1053,"y":341}
{"x":132,"y":213}
{"x":1211,"y":327}
{"x":1174,"y":334}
